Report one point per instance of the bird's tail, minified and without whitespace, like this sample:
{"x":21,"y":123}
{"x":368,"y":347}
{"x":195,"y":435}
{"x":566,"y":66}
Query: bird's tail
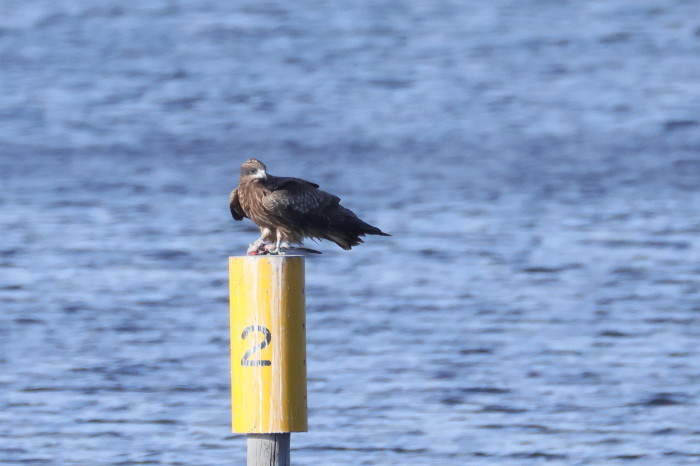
{"x":368,"y":229}
{"x":348,"y":233}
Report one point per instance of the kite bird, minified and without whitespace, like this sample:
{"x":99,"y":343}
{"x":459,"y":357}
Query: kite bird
{"x":287,"y":210}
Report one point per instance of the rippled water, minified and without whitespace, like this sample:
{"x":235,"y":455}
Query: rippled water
{"x":537,"y":163}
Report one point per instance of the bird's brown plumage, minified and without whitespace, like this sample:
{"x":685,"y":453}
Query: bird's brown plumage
{"x":291,"y":209}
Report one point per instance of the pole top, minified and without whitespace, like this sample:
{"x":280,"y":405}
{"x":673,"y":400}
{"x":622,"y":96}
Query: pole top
{"x":265,"y":256}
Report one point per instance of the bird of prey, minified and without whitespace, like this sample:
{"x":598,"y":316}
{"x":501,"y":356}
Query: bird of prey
{"x":287,"y":210}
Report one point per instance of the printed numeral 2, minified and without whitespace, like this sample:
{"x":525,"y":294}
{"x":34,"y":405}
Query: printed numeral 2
{"x":268,"y":337}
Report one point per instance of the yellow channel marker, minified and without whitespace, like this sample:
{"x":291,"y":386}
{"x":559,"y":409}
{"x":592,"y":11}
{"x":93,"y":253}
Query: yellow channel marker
{"x":268,"y":344}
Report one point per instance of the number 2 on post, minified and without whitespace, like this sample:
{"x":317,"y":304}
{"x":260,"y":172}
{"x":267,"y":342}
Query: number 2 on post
{"x":268,"y":337}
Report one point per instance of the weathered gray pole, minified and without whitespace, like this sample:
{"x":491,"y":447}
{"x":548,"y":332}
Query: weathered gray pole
{"x":268,"y":449}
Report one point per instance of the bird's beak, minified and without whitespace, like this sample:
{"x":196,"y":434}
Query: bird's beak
{"x":261,"y":174}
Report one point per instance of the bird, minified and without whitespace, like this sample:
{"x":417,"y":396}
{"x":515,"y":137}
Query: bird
{"x":288,"y":210}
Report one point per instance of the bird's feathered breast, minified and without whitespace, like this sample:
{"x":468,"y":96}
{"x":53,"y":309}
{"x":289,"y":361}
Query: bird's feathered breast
{"x":250,"y":194}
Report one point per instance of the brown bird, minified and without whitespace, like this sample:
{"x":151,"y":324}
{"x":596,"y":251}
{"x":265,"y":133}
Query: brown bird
{"x":287,"y":210}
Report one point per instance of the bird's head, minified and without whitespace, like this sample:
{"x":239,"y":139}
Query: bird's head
{"x":252,"y":169}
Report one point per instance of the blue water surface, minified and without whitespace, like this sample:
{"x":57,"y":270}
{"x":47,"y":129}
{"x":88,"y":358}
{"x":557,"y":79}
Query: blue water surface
{"x":537,"y":163}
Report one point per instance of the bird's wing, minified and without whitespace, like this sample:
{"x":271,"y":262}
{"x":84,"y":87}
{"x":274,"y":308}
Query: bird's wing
{"x":296,"y":197}
{"x":235,"y":205}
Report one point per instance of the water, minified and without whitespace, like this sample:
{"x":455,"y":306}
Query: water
{"x":536,"y":162}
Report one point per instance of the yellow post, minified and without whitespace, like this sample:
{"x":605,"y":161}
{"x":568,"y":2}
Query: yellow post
{"x":268,"y":344}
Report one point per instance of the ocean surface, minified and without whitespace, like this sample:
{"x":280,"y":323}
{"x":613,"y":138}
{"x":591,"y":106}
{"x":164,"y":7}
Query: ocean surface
{"x":537,"y":164}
